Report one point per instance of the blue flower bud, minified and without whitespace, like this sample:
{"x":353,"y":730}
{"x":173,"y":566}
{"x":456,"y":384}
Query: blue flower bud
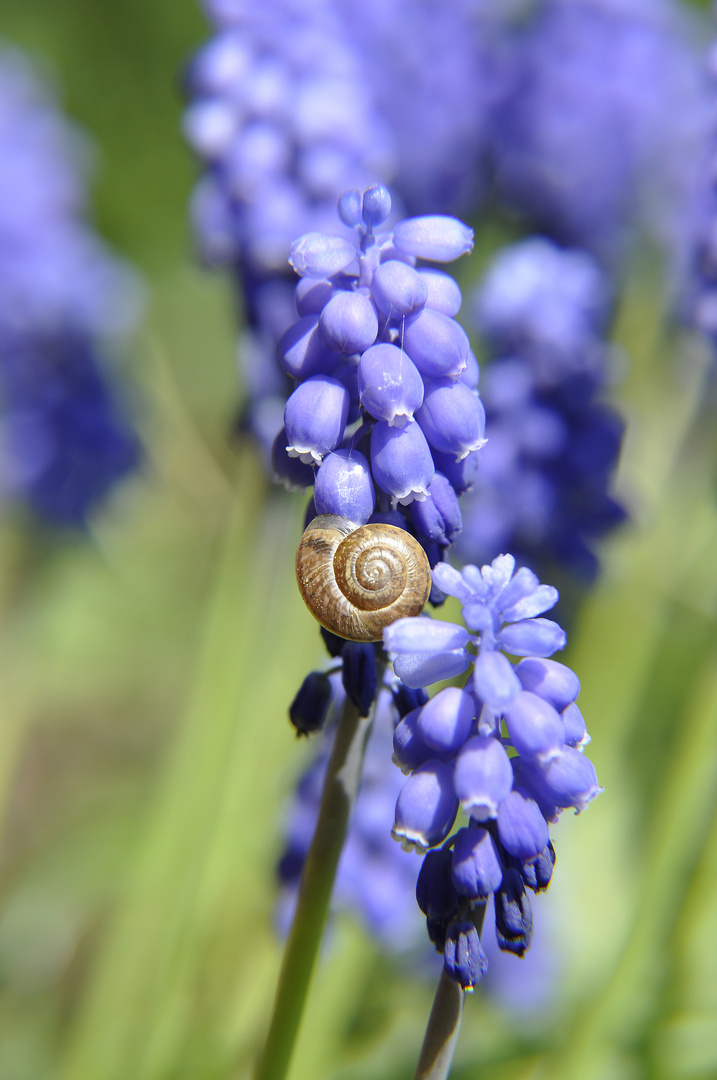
{"x":452,"y":417}
{"x":349,"y":323}
{"x":311,"y":295}
{"x":575,"y":732}
{"x":553,"y":681}
{"x":308,"y":710}
{"x":406,"y":699}
{"x":390,"y":386}
{"x":409,"y":749}
{"x":437,"y":237}
{"x":494,"y":680}
{"x":444,"y":723}
{"x":522,"y":829}
{"x":401,"y":461}
{"x":569,"y":780}
{"x":426,"y":807}
{"x":461,"y":474}
{"x":536,"y":873}
{"x":359,"y":674}
{"x":320,"y":255}
{"x":301,"y":351}
{"x":427,"y":651}
{"x":398,"y":289}
{"x":344,"y":486}
{"x":334,"y":645}
{"x":535,"y":727}
{"x":463,"y":958}
{"x":483,"y":777}
{"x":315,"y":417}
{"x":349,"y":207}
{"x":294,"y":473}
{"x":435,"y":893}
{"x":477,"y":867}
{"x":443,"y":291}
{"x":532,"y":637}
{"x":376,"y":205}
{"x":513,"y":914}
{"x":436,"y":343}
{"x":438,"y":517}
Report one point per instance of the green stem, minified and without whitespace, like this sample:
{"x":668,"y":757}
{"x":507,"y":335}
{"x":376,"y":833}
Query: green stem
{"x":442,"y":1029}
{"x":340,"y":790}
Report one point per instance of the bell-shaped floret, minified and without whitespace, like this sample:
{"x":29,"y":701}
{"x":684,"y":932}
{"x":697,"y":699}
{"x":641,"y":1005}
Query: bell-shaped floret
{"x":555,"y":682}
{"x":483,"y":777}
{"x":445,"y":722}
{"x":536,"y":729}
{"x":320,"y":255}
{"x":532,"y":637}
{"x":494,"y":680}
{"x":569,"y":780}
{"x":301,"y":351}
{"x":522,"y":829}
{"x":463,"y":958}
{"x":349,"y":323}
{"x":452,"y":417}
{"x":435,"y":892}
{"x":344,"y":486}
{"x":443,"y":291}
{"x":315,"y":417}
{"x":389,"y":383}
{"x":437,"y":237}
{"x":311,"y":295}
{"x":375,"y":205}
{"x":426,"y":807}
{"x":436,"y":343}
{"x":426,"y":650}
{"x":309,"y":708}
{"x":513,"y":914}
{"x":439,"y":516}
{"x":477,"y":866}
{"x":398,"y":289}
{"x":575,"y":732}
{"x":359,"y":675}
{"x":401,"y":461}
{"x":294,"y":473}
{"x":409,"y":749}
{"x":461,"y":474}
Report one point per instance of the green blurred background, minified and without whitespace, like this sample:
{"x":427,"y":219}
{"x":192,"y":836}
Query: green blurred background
{"x":145,"y":755}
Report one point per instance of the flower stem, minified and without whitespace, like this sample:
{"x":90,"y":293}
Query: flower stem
{"x":340,"y":790}
{"x":441,"y":1036}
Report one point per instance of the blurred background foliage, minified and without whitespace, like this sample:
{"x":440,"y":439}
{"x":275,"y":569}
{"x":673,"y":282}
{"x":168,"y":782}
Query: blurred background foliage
{"x":145,"y":756}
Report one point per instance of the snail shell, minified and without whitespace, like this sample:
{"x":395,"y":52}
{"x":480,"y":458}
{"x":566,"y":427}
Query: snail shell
{"x":358,"y":579}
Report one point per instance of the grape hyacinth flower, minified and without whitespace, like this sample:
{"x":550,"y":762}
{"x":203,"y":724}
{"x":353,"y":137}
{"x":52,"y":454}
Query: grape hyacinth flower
{"x":544,"y":487}
{"x":64,"y":441}
{"x":506,"y":750}
{"x":597,"y":129}
{"x":385,"y":416}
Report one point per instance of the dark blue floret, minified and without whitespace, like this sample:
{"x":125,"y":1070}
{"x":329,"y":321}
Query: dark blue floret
{"x":463,"y":958}
{"x":309,"y":708}
{"x":513,"y":914}
{"x":435,"y":892}
{"x":359,"y":674}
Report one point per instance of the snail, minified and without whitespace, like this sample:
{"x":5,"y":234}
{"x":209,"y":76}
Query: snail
{"x":358,"y":579}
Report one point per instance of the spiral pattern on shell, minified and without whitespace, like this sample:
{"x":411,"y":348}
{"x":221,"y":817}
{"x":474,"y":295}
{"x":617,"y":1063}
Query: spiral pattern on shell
{"x":358,"y":579}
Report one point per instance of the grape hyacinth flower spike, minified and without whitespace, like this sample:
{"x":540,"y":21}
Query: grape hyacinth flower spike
{"x":506,"y":749}
{"x":385,"y":412}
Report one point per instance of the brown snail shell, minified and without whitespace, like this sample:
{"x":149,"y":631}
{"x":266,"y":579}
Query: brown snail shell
{"x":358,"y":579}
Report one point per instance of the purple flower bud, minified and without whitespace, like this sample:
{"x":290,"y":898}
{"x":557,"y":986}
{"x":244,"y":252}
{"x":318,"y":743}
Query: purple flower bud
{"x":428,"y":651}
{"x":435,"y":236}
{"x":426,"y":807}
{"x":376,"y":205}
{"x":401,"y":461}
{"x":461,"y":474}
{"x":349,"y":323}
{"x":443,"y":291}
{"x":445,"y":722}
{"x":349,"y":207}
{"x":483,"y":777}
{"x":398,"y":289}
{"x":294,"y":473}
{"x":320,"y":255}
{"x":439,"y":516}
{"x":359,"y":674}
{"x":494,"y":680}
{"x":435,"y":893}
{"x":344,"y":486}
{"x":436,"y":343}
{"x":315,"y":417}
{"x":522,"y":829}
{"x":406,"y":699}
{"x":477,"y":868}
{"x":389,"y":383}
{"x":463,"y":958}
{"x":452,"y":417}
{"x":532,"y":637}
{"x":575,"y":732}
{"x":308,"y":710}
{"x":536,"y":873}
{"x":409,"y":749}
{"x":569,"y":780}
{"x":534,"y":726}
{"x":513,"y":914}
{"x":301,"y":351}
{"x":553,"y":681}
{"x":311,"y":295}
